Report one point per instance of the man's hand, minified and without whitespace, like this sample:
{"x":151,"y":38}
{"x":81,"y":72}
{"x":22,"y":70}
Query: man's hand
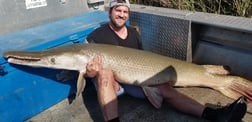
{"x":94,"y":66}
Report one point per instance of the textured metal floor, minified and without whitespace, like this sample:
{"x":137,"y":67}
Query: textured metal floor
{"x":86,"y":109}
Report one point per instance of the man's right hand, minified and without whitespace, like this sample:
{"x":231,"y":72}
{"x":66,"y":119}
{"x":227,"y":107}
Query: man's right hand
{"x":94,"y":66}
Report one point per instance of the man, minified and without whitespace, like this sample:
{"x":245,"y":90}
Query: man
{"x":117,"y":33}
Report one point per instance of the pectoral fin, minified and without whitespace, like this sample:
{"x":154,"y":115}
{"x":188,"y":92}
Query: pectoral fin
{"x":81,"y":83}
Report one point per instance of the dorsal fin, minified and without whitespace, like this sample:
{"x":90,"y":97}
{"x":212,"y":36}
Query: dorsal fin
{"x":217,"y":69}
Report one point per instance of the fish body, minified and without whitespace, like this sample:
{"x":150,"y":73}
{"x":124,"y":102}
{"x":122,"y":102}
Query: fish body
{"x":136,"y":67}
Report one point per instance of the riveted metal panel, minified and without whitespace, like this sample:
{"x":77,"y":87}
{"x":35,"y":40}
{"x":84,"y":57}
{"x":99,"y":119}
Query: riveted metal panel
{"x":223,"y":21}
{"x":163,"y":34}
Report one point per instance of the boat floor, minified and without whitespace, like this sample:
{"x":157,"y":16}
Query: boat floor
{"x":85,"y":108}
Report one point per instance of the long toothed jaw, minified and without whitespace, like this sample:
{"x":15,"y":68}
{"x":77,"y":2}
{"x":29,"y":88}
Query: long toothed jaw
{"x":25,"y":60}
{"x":21,"y":60}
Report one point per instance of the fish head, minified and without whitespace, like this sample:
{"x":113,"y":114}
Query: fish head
{"x":51,"y":58}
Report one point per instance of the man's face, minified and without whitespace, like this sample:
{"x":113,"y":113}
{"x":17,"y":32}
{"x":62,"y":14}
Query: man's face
{"x":119,"y":15}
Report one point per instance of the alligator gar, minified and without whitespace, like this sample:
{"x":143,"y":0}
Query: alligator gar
{"x":136,"y":67}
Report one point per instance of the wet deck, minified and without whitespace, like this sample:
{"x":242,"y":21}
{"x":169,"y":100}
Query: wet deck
{"x":86,"y":109}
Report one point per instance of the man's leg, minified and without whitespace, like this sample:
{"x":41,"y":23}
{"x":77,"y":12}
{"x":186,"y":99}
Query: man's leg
{"x":180,"y":101}
{"x":107,"y":88}
{"x":230,"y":113}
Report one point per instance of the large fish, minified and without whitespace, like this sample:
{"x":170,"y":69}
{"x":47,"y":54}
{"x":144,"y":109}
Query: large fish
{"x":136,"y":67}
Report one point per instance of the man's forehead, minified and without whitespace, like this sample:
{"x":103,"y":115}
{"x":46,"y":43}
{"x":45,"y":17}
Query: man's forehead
{"x":125,"y":8}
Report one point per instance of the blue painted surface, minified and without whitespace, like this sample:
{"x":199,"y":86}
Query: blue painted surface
{"x":26,"y":91}
{"x":55,"y":33}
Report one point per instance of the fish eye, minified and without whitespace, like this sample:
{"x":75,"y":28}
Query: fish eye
{"x":53,"y":60}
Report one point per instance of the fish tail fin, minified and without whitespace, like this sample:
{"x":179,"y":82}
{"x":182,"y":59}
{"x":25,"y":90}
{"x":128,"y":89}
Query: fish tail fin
{"x":236,"y":87}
